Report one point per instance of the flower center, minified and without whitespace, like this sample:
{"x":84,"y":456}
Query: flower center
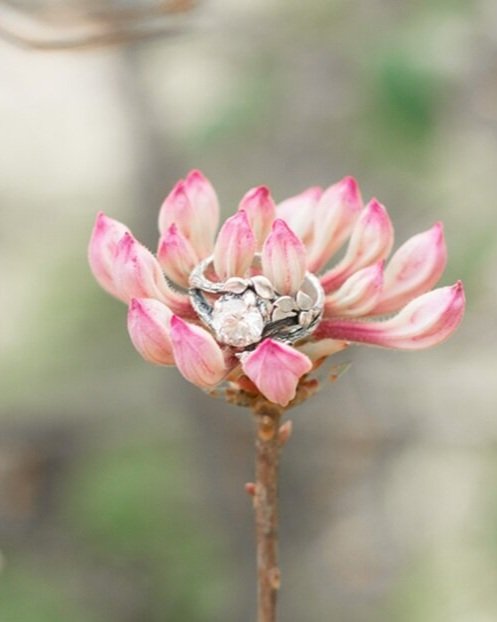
{"x":237,"y":320}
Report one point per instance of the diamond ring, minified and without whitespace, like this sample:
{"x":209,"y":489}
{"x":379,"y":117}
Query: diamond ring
{"x":243,"y":311}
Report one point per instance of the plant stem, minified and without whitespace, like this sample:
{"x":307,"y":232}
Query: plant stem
{"x":267,"y":447}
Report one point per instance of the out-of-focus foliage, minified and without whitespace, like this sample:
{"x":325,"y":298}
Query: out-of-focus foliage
{"x":136,"y":505}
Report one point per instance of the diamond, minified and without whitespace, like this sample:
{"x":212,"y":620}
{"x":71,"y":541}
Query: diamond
{"x":237,"y":321}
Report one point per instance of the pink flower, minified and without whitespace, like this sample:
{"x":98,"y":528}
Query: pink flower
{"x":246,"y":309}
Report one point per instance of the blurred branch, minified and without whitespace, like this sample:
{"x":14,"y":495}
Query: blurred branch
{"x":59,"y":30}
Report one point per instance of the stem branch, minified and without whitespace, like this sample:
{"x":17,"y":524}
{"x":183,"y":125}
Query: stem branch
{"x":267,"y":448}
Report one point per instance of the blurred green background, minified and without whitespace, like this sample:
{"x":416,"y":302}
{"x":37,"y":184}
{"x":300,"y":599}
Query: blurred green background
{"x":121,"y":486}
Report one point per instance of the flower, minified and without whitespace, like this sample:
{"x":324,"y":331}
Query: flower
{"x":367,"y":298}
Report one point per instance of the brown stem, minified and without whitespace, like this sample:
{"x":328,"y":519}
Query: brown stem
{"x":267,"y":447}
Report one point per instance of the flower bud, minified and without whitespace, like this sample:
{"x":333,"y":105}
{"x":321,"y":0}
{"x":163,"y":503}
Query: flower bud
{"x":335,"y":215}
{"x":148,"y":327}
{"x":196,"y":353}
{"x":426,"y":321}
{"x":102,"y":250}
{"x":414,"y":269}
{"x":260,"y":209}
{"x":299,"y":212}
{"x":358,"y":295}
{"x":284,"y":259}
{"x":193,"y":206}
{"x":176,"y":256}
{"x":137,"y":274}
{"x":235,"y":247}
{"x":371,"y":241}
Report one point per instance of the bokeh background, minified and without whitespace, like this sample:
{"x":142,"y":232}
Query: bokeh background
{"x":121,"y":486}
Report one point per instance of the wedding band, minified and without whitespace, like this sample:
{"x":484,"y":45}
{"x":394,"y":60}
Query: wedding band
{"x":243,"y":311}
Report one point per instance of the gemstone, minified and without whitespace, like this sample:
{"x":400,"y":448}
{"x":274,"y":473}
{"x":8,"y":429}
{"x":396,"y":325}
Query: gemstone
{"x":238,"y":322}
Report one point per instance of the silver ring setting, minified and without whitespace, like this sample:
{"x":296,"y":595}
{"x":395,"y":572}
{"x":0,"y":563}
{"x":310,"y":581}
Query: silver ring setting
{"x":241,"y":312}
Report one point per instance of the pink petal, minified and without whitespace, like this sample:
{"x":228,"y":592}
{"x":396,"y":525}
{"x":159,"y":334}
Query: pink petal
{"x":193,"y":206}
{"x":235,"y":247}
{"x":148,"y":327}
{"x":371,"y":241}
{"x":260,"y":209}
{"x":414,"y":269}
{"x":176,"y":256}
{"x":276,"y":368}
{"x":197,"y":355}
{"x":426,"y":321}
{"x":203,"y":196}
{"x":284,"y":259}
{"x":102,"y":250}
{"x":299,"y":212}
{"x":335,"y":216}
{"x":177,"y":208}
{"x":137,"y":274}
{"x":358,"y":295}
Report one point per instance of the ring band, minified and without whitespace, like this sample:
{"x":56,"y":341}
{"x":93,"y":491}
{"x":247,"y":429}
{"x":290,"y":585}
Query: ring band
{"x":244,"y":311}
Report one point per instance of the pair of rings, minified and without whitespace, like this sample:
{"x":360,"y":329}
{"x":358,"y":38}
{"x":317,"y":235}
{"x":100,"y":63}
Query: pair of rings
{"x":243,"y":311}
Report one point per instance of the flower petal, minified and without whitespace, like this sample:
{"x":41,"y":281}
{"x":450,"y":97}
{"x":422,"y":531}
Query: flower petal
{"x":235,"y":247}
{"x":137,"y":274}
{"x":196,"y":353}
{"x":371,"y":241}
{"x":284,"y":259}
{"x":260,"y":209}
{"x":193,"y":206}
{"x":178,"y":209}
{"x":176,"y":256}
{"x":148,"y":327}
{"x":426,"y":321}
{"x":335,"y":216}
{"x":102,"y":250}
{"x":276,"y":368}
{"x":299,"y":212}
{"x":358,"y":295}
{"x":414,"y":269}
{"x":203,"y":197}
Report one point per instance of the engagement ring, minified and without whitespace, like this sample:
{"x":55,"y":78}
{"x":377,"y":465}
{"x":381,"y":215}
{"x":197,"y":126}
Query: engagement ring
{"x":243,"y":311}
